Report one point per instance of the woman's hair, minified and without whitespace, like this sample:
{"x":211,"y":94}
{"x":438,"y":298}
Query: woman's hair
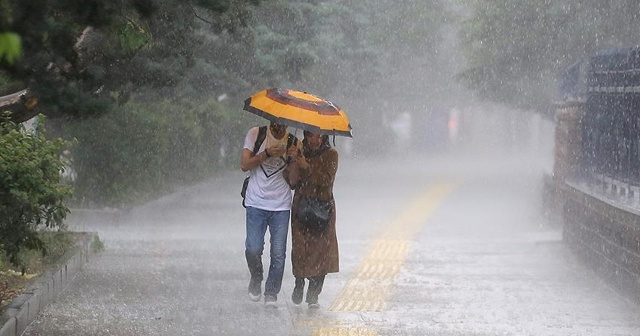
{"x":325,"y":138}
{"x":324,"y":145}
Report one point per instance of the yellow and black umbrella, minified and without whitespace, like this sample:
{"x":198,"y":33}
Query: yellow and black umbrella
{"x":300,"y":110}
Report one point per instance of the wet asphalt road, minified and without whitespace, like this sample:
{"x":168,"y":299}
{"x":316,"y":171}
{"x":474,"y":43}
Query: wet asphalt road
{"x":428,"y":246}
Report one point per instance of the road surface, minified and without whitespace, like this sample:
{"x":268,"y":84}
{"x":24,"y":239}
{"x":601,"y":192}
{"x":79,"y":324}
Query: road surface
{"x":434,"y":245}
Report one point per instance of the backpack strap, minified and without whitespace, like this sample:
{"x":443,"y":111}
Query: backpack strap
{"x":262,"y":134}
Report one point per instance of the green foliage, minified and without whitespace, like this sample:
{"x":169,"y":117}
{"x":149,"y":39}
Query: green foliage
{"x":93,"y":52}
{"x":141,"y":85}
{"x":133,"y":37}
{"x":516,"y":48}
{"x":384,"y":58}
{"x":30,"y":187}
{"x":10,"y":47}
{"x":348,"y":51}
{"x":97,"y":245}
{"x":114,"y":154}
{"x":311,"y":44}
{"x":146,"y":147}
{"x":55,"y":246}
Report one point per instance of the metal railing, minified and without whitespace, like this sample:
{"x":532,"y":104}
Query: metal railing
{"x":610,"y":159}
{"x":609,"y":85}
{"x":611,"y":136}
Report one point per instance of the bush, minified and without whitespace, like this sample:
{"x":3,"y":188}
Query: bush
{"x":148,"y":147}
{"x":31,"y":191}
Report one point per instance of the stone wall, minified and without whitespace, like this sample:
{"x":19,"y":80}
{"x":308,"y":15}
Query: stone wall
{"x":567,"y":154}
{"x":600,"y":224}
{"x":605,"y":235}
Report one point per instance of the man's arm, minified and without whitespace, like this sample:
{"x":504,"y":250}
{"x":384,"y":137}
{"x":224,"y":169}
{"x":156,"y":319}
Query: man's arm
{"x":249,"y":161}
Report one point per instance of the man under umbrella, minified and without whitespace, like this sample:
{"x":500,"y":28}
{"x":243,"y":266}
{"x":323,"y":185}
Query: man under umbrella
{"x":268,"y":204}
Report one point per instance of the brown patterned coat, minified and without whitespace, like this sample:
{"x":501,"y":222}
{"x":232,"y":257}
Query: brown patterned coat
{"x":314,"y":255}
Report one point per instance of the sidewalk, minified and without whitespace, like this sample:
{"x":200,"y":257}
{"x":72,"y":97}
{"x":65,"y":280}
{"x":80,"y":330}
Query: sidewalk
{"x":24,"y":309}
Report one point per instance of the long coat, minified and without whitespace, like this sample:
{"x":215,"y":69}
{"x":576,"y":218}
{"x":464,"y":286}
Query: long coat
{"x":315,"y":254}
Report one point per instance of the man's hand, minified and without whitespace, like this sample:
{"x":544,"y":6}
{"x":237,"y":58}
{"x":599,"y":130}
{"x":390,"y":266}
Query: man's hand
{"x":276,"y":151}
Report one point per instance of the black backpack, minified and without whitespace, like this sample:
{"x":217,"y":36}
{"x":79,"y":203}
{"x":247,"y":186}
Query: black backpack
{"x":262,"y":134}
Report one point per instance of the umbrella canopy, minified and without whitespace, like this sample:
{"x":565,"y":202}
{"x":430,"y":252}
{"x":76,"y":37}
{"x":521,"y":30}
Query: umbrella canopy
{"x":299,"y":109}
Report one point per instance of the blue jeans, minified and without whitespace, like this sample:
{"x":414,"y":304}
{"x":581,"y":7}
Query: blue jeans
{"x":278,"y":223}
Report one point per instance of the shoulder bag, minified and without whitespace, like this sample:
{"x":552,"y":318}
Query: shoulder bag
{"x":313,"y":214}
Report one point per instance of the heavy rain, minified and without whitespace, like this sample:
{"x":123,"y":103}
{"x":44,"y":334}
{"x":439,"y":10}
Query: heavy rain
{"x":486,"y":182}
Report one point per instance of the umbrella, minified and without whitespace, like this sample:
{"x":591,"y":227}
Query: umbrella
{"x":300,"y":110}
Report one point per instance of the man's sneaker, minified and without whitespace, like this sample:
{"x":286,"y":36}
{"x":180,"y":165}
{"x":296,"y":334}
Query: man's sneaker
{"x":255,"y":290}
{"x":314,"y":305}
{"x":270,"y":300}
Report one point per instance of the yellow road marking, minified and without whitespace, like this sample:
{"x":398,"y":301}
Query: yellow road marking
{"x":344,"y":332}
{"x":372,"y":285}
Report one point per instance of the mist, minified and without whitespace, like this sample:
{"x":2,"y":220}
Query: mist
{"x":450,"y":207}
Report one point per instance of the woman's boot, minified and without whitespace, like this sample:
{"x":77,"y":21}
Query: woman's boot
{"x":315,"y":287}
{"x":298,"y":291}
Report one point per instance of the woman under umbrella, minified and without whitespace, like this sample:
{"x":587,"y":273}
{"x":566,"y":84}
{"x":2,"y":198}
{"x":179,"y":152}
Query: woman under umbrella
{"x":315,"y":246}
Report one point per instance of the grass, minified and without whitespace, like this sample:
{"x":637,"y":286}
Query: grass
{"x":16,"y":280}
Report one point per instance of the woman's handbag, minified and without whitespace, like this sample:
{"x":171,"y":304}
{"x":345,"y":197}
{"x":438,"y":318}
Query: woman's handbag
{"x":313,"y":213}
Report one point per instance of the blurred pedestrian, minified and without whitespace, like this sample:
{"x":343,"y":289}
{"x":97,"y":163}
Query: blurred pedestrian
{"x":314,"y":244}
{"x":268,"y":204}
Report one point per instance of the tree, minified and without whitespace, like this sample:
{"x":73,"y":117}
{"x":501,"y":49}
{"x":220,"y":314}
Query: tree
{"x":179,"y":71}
{"x":82,"y":56}
{"x":400,"y":63}
{"x":516,"y":48}
{"x":31,"y":191}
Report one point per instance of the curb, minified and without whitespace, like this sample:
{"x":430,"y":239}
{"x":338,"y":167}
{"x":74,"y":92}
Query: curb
{"x":25,"y":308}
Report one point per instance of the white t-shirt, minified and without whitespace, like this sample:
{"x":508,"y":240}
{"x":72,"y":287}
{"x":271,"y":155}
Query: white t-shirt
{"x":267,"y":189}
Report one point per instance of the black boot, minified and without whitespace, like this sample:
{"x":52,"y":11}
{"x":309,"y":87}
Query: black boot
{"x":298,"y":291}
{"x":314,"y":290}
